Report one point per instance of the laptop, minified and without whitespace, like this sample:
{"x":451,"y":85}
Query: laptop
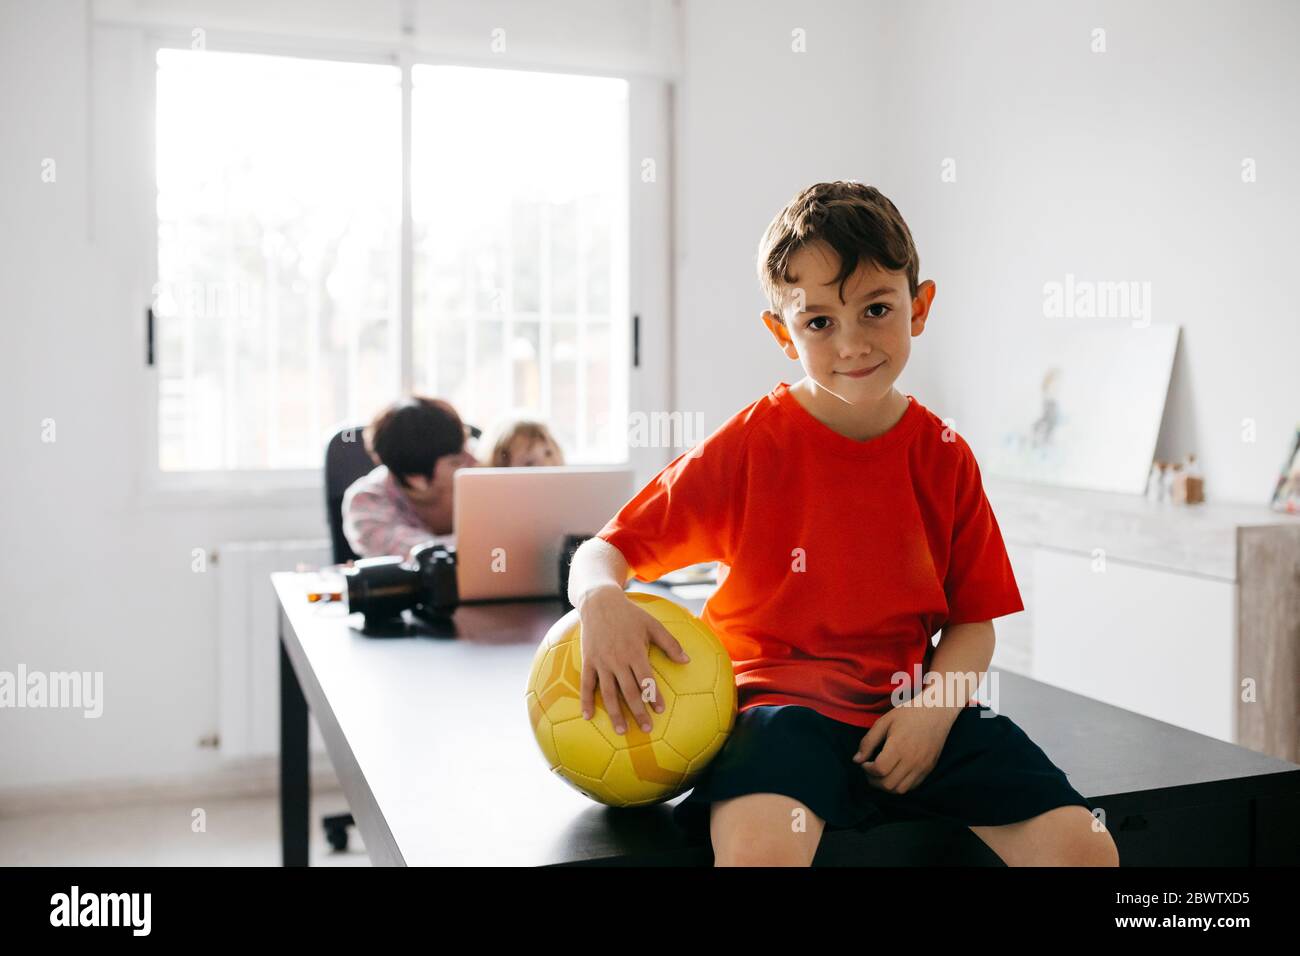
{"x":510,"y":524}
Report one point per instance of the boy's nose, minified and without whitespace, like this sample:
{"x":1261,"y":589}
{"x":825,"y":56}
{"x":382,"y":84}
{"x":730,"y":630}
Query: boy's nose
{"x":855,"y":341}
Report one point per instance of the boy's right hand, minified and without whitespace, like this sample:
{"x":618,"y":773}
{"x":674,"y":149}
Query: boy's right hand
{"x":615,"y":640}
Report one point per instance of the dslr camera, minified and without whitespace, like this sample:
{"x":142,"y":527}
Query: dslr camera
{"x":425,"y":582}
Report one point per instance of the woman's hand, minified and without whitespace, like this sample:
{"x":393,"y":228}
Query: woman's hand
{"x":913,"y":735}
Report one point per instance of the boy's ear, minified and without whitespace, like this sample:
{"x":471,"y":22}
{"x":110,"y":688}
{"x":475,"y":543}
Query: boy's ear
{"x":781,"y":333}
{"x":921,"y":306}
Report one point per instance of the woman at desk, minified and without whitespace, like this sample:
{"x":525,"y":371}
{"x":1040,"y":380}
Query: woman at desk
{"x":418,"y":445}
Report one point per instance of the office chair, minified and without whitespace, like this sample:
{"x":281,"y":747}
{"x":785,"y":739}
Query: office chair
{"x":346,"y":460}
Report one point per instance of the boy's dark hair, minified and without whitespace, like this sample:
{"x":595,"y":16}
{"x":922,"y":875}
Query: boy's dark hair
{"x":410,"y":436}
{"x":858,"y":222}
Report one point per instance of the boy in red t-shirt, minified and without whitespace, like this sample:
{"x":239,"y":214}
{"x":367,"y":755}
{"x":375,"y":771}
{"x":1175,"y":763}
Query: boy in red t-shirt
{"x":850,"y":525}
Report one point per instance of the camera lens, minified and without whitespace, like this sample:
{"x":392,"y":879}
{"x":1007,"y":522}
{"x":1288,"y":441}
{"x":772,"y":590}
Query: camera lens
{"x":381,"y":588}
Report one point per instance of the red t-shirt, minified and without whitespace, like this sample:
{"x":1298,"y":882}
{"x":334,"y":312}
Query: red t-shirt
{"x":840,"y":558}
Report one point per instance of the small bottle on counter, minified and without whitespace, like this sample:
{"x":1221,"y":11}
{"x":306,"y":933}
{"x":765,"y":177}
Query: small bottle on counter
{"x":1178,"y":484}
{"x":1195,"y":492}
{"x":1161,"y":489}
{"x":1153,"y":481}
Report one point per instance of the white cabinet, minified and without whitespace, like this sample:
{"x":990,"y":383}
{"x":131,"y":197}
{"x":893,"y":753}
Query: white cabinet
{"x":1195,"y":619}
{"x":1153,"y":642}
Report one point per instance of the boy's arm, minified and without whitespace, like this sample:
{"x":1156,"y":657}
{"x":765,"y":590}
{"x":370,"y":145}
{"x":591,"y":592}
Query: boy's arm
{"x":597,"y":565}
{"x":957,"y":664}
{"x":980,"y":584}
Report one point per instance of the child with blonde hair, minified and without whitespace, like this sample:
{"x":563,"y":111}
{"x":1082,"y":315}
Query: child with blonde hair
{"x":522,"y":442}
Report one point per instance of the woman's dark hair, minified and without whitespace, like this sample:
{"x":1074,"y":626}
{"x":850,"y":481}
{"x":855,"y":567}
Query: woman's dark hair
{"x":411,"y":435}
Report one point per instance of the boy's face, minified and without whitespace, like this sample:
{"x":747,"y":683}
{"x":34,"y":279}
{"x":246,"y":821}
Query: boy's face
{"x":872,"y":329}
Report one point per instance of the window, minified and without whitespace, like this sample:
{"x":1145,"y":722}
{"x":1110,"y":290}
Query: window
{"x":279,"y":220}
{"x":278,"y":308}
{"x":519,"y":214}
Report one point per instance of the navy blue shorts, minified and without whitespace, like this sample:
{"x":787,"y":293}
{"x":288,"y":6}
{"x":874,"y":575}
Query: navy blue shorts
{"x":989,"y":772}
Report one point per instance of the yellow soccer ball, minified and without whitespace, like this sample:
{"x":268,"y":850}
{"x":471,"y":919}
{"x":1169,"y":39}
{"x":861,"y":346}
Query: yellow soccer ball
{"x":634,"y":768}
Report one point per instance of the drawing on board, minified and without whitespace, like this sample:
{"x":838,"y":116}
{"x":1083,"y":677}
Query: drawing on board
{"x":1082,"y":404}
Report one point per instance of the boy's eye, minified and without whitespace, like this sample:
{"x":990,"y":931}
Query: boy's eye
{"x":884,"y":311}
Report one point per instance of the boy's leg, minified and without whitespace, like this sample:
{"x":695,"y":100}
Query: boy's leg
{"x":1063,"y":836}
{"x":764,"y":829}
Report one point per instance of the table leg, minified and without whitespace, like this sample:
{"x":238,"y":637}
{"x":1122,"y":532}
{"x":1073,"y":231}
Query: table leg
{"x":295,"y":790}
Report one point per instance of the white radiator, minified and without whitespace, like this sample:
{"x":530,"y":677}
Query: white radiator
{"x":248,"y":666}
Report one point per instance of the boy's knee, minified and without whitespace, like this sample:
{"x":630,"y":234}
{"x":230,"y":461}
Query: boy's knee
{"x":1096,"y":849}
{"x":760,"y":853}
{"x":1064,"y":836}
{"x":1079,"y":843}
{"x":764,"y":829}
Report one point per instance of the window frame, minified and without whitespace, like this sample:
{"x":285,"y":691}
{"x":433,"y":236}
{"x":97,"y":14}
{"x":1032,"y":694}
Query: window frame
{"x":648,"y":252}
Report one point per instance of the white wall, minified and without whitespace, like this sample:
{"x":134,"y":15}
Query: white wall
{"x":1116,"y":166}
{"x":91,"y":577}
{"x":756,"y":123}
{"x":1123,"y":165}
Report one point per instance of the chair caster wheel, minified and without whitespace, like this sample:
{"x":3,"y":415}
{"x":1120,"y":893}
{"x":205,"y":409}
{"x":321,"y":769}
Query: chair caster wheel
{"x":337,"y":835}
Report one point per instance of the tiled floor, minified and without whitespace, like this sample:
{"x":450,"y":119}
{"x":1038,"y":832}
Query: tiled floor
{"x":239,"y":832}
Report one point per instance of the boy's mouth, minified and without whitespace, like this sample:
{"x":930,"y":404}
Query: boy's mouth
{"x":861,"y":373}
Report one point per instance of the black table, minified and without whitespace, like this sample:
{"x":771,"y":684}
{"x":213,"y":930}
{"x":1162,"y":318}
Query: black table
{"x":431,"y":741}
